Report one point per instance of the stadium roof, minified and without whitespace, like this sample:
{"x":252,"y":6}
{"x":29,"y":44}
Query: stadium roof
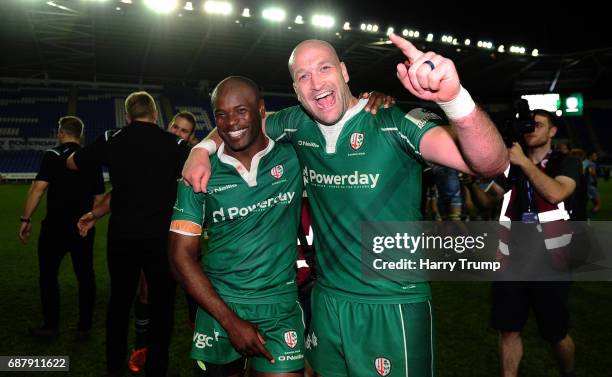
{"x":112,"y":41}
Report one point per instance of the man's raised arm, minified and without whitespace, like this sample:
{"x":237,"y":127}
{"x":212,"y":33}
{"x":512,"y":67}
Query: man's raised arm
{"x":196,"y":170}
{"x":478,"y":147}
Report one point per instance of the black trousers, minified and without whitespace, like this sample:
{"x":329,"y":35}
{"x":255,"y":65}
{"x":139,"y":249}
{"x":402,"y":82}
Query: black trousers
{"x":126,"y":258}
{"x":53,"y":244}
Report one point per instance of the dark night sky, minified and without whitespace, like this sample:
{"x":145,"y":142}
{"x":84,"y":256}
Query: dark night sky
{"x":551,"y":27}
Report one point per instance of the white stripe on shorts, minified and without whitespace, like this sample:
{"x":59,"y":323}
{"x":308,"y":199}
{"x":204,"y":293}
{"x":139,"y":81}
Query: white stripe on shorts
{"x":431,"y":338}
{"x":302,"y":310}
{"x":404,"y":335}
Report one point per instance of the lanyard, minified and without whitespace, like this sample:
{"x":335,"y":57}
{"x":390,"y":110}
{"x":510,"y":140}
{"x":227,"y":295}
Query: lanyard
{"x":530,"y":190}
{"x":530,"y":195}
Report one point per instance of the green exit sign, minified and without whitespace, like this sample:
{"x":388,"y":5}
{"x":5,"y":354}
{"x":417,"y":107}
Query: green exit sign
{"x":572,"y":105}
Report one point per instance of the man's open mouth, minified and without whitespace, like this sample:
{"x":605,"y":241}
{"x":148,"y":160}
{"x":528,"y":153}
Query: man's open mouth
{"x":325,"y":100}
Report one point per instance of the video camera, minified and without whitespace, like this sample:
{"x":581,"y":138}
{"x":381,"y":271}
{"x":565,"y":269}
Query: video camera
{"x":518,"y":124}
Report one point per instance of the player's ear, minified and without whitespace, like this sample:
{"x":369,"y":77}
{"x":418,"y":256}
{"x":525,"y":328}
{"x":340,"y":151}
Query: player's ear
{"x":552,"y":132}
{"x":295,"y":89}
{"x":345,"y":74}
{"x":262,"y":108}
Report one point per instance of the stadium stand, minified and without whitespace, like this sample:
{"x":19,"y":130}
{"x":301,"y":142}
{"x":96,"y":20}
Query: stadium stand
{"x":29,"y":114}
{"x":97,"y":111}
{"x":25,"y":161}
{"x":26,"y":112}
{"x":102,"y":110}
{"x":201,"y":110}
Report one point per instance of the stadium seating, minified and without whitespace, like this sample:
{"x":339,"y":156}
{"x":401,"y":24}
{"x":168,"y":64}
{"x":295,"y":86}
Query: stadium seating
{"x":201,"y":110}
{"x":20,"y":161}
{"x":28,"y":113}
{"x":97,"y":111}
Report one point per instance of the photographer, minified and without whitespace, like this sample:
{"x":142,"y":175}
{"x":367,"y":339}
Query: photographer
{"x":538,"y":189}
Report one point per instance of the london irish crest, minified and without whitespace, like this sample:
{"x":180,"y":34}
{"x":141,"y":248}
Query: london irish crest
{"x":356,"y":140}
{"x":277,"y":171}
{"x":383,"y":366}
{"x":291,"y":338}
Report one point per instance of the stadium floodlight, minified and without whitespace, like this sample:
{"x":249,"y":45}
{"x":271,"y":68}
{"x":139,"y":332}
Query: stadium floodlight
{"x":467,"y":42}
{"x":299,"y":20}
{"x":274,"y":14}
{"x":559,"y":113}
{"x":126,"y":1}
{"x":322,"y":20}
{"x":246,"y":12}
{"x":374,"y":28}
{"x":416,"y":33}
{"x":162,"y":6}
{"x":405,"y":32}
{"x":549,"y":101}
{"x":501,"y":48}
{"x":430,"y":37}
{"x":217,"y":7}
{"x":390,"y":30}
{"x":188,"y":6}
{"x":363,"y":27}
{"x":369,"y":27}
{"x":346,"y":26}
{"x":535,"y":52}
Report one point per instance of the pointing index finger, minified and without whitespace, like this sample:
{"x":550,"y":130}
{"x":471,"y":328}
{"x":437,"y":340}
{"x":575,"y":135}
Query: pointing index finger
{"x":262,"y":350}
{"x":407,"y":48}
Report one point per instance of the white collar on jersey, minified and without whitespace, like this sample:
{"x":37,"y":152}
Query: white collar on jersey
{"x":331,"y":133}
{"x":249,"y":176}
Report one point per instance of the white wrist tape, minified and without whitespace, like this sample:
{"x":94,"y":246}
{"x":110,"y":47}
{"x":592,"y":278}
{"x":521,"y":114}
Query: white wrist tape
{"x":459,"y":107}
{"x":209,"y":145}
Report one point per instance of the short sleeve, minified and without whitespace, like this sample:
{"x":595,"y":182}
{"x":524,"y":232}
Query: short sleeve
{"x":281,"y":125}
{"x":188,"y":211}
{"x":93,"y":154}
{"x":48,"y":165}
{"x":570,"y":167}
{"x":411,"y":126}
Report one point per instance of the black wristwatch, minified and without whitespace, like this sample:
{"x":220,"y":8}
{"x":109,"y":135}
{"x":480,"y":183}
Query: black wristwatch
{"x":24,"y":220}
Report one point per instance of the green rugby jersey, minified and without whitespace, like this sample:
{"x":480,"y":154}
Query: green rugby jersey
{"x":374,"y":174}
{"x":252,"y":219}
